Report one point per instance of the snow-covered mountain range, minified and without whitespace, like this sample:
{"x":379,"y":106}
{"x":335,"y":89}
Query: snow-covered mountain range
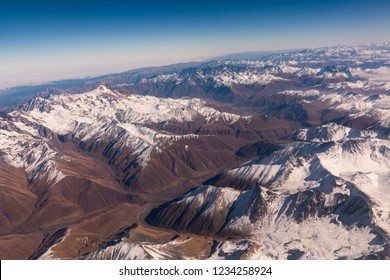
{"x":280,"y":157}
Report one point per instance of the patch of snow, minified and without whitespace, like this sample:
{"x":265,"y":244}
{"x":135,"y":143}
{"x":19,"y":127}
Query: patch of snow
{"x":316,"y":239}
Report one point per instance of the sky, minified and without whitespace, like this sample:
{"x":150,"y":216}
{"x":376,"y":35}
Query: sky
{"x":42,"y":41}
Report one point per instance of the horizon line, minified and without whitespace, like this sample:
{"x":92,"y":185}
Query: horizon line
{"x":222,"y":57}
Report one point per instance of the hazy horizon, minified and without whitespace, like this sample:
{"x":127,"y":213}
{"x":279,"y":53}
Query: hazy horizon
{"x":45,"y":41}
{"x":117,"y":70}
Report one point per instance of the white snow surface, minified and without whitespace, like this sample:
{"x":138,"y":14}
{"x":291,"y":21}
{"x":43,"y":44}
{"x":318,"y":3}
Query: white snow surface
{"x":362,"y":160}
{"x":227,"y":78}
{"x":326,"y":133}
{"x":25,"y":150}
{"x":358,"y":105}
{"x":317,"y":238}
{"x":211,"y":199}
{"x":331,"y":159}
{"x":64,"y":112}
{"x":98,"y":114}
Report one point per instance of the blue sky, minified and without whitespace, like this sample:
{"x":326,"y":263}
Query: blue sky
{"x":49,"y":40}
